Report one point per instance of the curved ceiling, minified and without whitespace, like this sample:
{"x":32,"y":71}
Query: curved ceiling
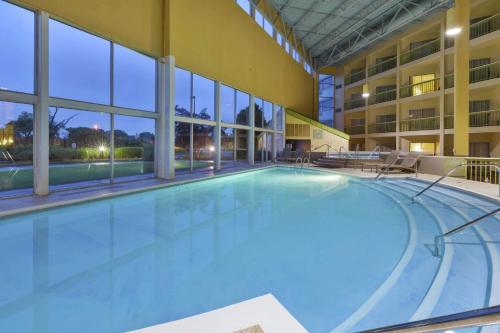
{"x":334,"y":30}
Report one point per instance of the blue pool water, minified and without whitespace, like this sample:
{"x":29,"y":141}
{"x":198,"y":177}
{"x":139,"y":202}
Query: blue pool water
{"x":340,"y":254}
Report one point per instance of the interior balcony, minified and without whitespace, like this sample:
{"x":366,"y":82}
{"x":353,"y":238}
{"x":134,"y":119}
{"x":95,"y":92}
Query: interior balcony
{"x":382,"y":127}
{"x":420,"y":51}
{"x":419,"y":124}
{"x":355,"y":103}
{"x":384,"y":65}
{"x":355,"y":76}
{"x":476,"y":119}
{"x":477,"y":74}
{"x":479,"y":28}
{"x":419,"y":88}
{"x":354,"y":129}
{"x":382,"y":97}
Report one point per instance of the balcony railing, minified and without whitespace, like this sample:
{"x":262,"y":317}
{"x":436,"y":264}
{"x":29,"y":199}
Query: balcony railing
{"x":481,"y":28}
{"x":477,"y":119}
{"x":382,"y":66}
{"x":419,"y":88}
{"x":382,"y":127}
{"x":476,"y":74}
{"x":355,"y":77}
{"x":358,"y":129}
{"x":486,"y":26}
{"x":421,"y":51}
{"x":382,"y":97}
{"x":419,"y":124}
{"x":353,"y":104}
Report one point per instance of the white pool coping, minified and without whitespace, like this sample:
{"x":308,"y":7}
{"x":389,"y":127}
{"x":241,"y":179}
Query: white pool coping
{"x":264,"y":311}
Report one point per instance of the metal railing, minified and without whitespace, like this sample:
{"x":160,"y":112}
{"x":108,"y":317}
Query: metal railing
{"x":354,"y":77}
{"x":421,"y":51}
{"x":476,"y":74}
{"x":383,"y":66}
{"x":419,"y":124}
{"x":354,"y":103}
{"x":472,"y":318}
{"x":359,"y":129}
{"x":497,"y":169}
{"x":420,"y":88}
{"x":486,"y":26}
{"x":459,"y":228}
{"x":477,"y":119}
{"x":381,"y":97}
{"x":386,"y":127}
{"x":483,"y":170}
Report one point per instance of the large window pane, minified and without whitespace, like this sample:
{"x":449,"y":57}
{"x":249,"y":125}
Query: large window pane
{"x":262,"y":146}
{"x":17,"y":55}
{"x":203,"y":98}
{"x":242,"y":107}
{"x":78,"y":146}
{"x":227,"y":96}
{"x":227,"y":144}
{"x":259,"y":112}
{"x":241,"y":145}
{"x":268,"y":115}
{"x":182,"y":144}
{"x":16,"y":146}
{"x":182,"y":92}
{"x":134,"y":146}
{"x":279,"y":118}
{"x":203,"y":146}
{"x":326,"y":99}
{"x":268,"y":27}
{"x":79,"y":64}
{"x":259,"y":18}
{"x":134,"y":79}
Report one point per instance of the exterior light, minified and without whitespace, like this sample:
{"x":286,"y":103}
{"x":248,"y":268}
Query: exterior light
{"x":452,"y":26}
{"x":366,"y":92}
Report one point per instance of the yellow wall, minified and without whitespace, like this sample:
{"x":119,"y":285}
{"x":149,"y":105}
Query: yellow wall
{"x":137,"y":24}
{"x":217,"y":39}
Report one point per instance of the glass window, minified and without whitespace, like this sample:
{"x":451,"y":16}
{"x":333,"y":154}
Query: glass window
{"x":79,"y":146}
{"x":134,"y":146}
{"x":203,"y":146}
{"x":242,"y":107}
{"x":227,"y":100}
{"x":279,"y":118}
{"x":182,"y":92}
{"x":268,"y":27}
{"x":79,"y":64}
{"x":262,"y":144}
{"x":228,"y":144}
{"x":203,"y":97}
{"x":182,"y":145}
{"x":287,"y":47}
{"x":326,"y":102}
{"x":16,"y":146}
{"x":17,"y":57}
{"x":259,"y":18}
{"x":241,"y":145}
{"x":259,"y":112}
{"x":268,"y":114}
{"x":134,"y":79}
{"x":279,"y":38}
{"x":280,"y":143}
{"x":245,"y":5}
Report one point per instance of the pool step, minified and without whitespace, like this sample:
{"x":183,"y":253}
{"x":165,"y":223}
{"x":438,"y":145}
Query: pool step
{"x":468,"y":283}
{"x":405,"y":294}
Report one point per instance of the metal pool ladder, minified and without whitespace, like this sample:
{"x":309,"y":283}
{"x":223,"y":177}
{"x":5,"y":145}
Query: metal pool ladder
{"x":459,"y":228}
{"x":497,"y":169}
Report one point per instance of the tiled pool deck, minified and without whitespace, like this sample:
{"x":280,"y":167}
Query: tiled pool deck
{"x":18,"y":205}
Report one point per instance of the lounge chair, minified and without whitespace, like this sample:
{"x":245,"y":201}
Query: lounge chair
{"x":391,"y":159}
{"x":408,"y":163}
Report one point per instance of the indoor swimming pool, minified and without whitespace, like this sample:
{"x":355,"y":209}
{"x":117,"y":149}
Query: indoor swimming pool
{"x":340,"y":254}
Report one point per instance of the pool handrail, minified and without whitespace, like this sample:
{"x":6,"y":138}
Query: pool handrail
{"x":459,"y":228}
{"x":497,"y":169}
{"x":472,"y":318}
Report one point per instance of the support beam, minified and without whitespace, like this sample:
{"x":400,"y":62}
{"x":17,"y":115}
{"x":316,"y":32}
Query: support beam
{"x":217,"y":135}
{"x":461,"y":81}
{"x":41,"y":119}
{"x":165,"y":165}
{"x":251,"y":131}
{"x":442,"y":71}
{"x":274,"y":126}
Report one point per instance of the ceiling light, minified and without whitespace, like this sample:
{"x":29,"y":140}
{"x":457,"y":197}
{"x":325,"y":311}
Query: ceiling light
{"x":452,"y":26}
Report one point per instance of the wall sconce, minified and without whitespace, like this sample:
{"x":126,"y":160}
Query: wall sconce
{"x":452,"y":26}
{"x":366,"y":92}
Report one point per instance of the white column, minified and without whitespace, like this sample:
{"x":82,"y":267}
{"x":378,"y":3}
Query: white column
{"x":217,"y":135}
{"x":251,"y":131}
{"x":41,"y":120}
{"x":274,"y":124}
{"x":165,"y":127}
